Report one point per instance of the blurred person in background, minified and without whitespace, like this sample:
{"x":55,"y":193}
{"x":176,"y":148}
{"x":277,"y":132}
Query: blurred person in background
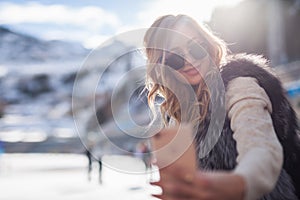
{"x":143,"y":152}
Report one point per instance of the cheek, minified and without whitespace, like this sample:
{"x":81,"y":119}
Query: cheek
{"x":205,"y":66}
{"x":191,"y":80}
{"x":181,"y":77}
{"x":195,"y":80}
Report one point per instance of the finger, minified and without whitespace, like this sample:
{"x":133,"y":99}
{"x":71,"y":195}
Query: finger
{"x":178,"y":184}
{"x":170,"y":189}
{"x":157,"y":183}
{"x":176,"y":189}
{"x":203,"y":180}
{"x":188,"y":191}
{"x":168,"y":177}
{"x":164,"y":197}
{"x":174,"y":169}
{"x":177,"y":172}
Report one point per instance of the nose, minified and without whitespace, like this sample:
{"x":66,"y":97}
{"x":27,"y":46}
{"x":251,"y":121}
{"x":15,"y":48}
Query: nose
{"x":187,"y":64}
{"x":188,"y":58}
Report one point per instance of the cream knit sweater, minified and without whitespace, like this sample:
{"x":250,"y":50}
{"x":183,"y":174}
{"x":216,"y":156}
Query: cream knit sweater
{"x":260,"y":155}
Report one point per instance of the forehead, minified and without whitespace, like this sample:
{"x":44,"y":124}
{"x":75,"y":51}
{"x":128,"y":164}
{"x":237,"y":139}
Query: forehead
{"x":181,"y":35}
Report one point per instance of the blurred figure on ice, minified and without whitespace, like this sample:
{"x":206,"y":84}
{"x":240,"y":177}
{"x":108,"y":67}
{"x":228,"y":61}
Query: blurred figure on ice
{"x":143,"y":152}
{"x":90,"y":158}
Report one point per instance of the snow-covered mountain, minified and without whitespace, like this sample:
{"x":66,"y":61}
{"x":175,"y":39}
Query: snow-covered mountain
{"x":36,"y":84}
{"x":18,"y":47}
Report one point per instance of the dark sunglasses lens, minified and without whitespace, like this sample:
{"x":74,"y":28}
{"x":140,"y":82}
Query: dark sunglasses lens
{"x":197,"y":51}
{"x":175,"y":61}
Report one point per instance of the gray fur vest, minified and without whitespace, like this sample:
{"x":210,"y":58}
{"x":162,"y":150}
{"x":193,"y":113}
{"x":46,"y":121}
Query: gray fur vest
{"x":224,"y":153}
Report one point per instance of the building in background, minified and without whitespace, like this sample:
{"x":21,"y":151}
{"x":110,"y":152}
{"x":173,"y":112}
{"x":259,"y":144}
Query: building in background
{"x":267,"y":27}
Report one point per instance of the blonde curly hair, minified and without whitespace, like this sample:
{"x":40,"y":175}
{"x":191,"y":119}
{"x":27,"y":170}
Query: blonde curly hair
{"x":157,"y":77}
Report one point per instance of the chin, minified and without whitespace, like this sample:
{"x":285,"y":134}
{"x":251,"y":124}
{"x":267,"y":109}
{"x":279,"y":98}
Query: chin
{"x":195,"y":81}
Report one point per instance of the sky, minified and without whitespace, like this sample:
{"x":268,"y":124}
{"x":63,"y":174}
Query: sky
{"x":91,"y":22}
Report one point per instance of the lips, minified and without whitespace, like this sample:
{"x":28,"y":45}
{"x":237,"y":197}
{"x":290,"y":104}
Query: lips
{"x":191,"y":72}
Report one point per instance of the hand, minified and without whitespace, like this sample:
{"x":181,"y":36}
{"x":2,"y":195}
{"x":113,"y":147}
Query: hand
{"x":204,"y":185}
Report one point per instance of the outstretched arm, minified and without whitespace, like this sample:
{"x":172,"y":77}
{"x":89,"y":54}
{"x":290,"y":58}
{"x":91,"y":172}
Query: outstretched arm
{"x":260,"y":155}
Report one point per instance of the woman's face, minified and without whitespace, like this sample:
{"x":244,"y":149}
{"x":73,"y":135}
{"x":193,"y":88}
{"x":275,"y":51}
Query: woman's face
{"x":188,"y":55}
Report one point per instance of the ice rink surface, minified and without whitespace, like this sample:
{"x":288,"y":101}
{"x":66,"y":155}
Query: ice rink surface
{"x":64,"y":177}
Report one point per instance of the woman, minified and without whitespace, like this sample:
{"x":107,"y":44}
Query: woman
{"x":248,"y":160}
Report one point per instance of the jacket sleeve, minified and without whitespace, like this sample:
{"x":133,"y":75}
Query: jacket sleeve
{"x":260,"y":155}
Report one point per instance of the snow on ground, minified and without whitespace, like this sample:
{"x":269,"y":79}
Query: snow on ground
{"x":64,"y":177}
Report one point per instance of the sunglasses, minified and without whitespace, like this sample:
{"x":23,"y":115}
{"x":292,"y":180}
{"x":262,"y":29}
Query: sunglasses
{"x":177,"y":60}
